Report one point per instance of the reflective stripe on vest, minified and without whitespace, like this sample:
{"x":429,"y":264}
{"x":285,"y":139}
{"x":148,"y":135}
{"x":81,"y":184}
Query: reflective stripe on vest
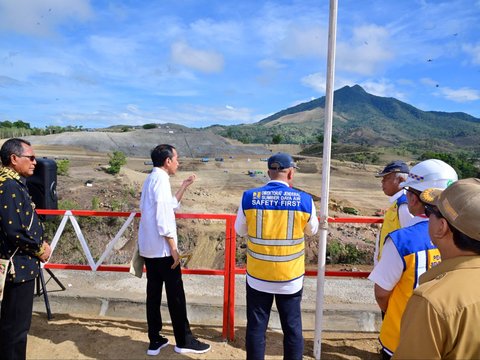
{"x":275,"y":258}
{"x":276,"y":242}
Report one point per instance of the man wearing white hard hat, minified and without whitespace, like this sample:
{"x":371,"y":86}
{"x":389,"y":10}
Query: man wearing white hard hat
{"x":442,"y":316}
{"x":408,"y":252}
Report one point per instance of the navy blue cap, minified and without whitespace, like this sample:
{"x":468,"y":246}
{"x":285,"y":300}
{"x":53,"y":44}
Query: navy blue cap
{"x":281,"y":161}
{"x":395,"y":166}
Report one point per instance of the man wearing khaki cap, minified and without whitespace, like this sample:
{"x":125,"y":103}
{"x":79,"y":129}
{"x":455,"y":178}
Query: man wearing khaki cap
{"x":441,"y":319}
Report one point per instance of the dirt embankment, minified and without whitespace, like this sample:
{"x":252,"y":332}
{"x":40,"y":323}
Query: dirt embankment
{"x":217,"y":190}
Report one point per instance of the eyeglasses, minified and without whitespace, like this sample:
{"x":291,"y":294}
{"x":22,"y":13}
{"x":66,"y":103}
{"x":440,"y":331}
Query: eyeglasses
{"x":430,"y":209}
{"x":31,"y":157}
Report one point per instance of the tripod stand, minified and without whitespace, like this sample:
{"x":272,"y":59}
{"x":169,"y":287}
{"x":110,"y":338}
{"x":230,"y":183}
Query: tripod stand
{"x":41,"y":286}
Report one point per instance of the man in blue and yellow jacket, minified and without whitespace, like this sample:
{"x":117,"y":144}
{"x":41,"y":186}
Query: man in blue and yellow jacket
{"x":275,"y":218}
{"x":408,"y":252}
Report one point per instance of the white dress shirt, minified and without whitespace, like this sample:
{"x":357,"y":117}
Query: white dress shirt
{"x":157,"y":205}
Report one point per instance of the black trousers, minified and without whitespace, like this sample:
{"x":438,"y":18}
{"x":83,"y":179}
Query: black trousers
{"x":385,"y":355}
{"x":259,"y":306}
{"x":15,"y":319}
{"x":159,"y":272}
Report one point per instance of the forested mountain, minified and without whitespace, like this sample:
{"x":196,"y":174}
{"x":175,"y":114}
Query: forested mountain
{"x":363,"y":119}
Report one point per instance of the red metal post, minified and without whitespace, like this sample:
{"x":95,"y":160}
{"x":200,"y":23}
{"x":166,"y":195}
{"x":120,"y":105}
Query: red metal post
{"x":226,"y":284}
{"x":231,"y":277}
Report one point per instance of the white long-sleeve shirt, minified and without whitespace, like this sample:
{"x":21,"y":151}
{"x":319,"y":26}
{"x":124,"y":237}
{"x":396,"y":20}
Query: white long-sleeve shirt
{"x":157,"y":205}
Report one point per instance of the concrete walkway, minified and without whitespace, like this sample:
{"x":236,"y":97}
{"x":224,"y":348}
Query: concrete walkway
{"x":349,"y":304}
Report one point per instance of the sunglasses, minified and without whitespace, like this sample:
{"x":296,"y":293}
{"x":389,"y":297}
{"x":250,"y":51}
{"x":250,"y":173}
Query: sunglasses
{"x":31,"y":157}
{"x":430,"y":209}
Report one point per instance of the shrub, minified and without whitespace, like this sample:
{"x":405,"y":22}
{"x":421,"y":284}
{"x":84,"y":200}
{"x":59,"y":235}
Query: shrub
{"x":68,"y":204}
{"x":346,"y":253}
{"x":277,"y":139}
{"x":95,"y":203}
{"x":63,"y":166}
{"x":351,"y":210}
{"x":117,"y":160}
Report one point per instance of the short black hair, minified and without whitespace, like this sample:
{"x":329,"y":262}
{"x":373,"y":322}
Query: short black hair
{"x":161,"y":153}
{"x":464,"y":242}
{"x":12,"y":146}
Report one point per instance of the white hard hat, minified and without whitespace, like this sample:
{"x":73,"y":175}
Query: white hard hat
{"x":432,"y":173}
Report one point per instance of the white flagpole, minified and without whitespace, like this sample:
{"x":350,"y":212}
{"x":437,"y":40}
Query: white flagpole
{"x":327,"y":144}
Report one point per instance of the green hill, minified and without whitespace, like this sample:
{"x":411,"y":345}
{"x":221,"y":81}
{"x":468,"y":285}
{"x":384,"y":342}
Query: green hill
{"x":364,"y":119}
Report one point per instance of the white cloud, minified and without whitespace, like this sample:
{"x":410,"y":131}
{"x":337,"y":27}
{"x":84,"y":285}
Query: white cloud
{"x":406,"y":82}
{"x":103,"y":118}
{"x":201,"y":60}
{"x":197,"y":115}
{"x":6,"y":81}
{"x":383,"y":87}
{"x":428,"y":82}
{"x":292,"y":30}
{"x":209,"y":31}
{"x":473,"y":51}
{"x":318,"y":82}
{"x":315,"y":81}
{"x":302,"y":101}
{"x":304,"y":42}
{"x":40,"y":18}
{"x":132,"y":108}
{"x":189,"y":115}
{"x":460,"y":95}
{"x":25,"y":66}
{"x":111,"y":46}
{"x":270,"y":64}
{"x":366,"y":52}
{"x":176,"y":93}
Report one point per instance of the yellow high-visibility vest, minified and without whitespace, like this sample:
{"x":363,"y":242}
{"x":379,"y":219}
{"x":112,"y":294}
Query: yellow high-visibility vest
{"x":276,"y":216}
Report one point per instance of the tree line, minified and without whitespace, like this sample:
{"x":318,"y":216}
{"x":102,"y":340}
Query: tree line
{"x":19,"y":128}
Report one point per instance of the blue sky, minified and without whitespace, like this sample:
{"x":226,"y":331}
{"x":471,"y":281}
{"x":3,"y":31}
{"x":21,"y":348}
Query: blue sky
{"x":202,"y":62}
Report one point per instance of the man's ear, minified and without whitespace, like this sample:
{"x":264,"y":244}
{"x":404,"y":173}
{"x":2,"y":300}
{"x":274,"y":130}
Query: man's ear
{"x":13,"y":159}
{"x":290,"y":174}
{"x":440,"y":230}
{"x":443,"y":229}
{"x":416,"y":199}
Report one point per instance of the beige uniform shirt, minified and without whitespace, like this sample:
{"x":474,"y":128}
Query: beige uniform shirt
{"x":442,"y":317}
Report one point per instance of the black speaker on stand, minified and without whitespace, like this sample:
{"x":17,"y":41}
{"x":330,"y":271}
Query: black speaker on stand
{"x":42,"y":187}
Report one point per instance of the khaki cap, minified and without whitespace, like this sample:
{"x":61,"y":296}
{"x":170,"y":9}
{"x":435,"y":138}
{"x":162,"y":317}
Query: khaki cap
{"x":459,"y":204}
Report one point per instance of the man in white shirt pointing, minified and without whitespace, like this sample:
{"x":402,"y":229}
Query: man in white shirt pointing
{"x":157,"y":243}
